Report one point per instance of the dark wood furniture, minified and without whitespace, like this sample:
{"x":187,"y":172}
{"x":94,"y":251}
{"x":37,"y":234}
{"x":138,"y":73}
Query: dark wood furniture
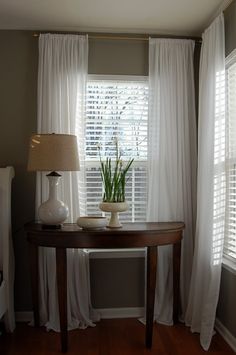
{"x":131,"y":235}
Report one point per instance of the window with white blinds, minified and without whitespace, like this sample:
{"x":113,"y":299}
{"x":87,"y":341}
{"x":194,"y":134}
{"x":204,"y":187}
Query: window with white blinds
{"x":117,"y":108}
{"x":230,"y":233}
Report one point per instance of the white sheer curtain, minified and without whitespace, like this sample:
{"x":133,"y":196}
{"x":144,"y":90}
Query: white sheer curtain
{"x":206,"y":272}
{"x":172,"y":159}
{"x":63,"y":61}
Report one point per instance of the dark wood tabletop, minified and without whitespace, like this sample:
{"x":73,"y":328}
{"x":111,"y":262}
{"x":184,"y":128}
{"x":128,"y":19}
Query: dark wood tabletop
{"x":130,"y":235}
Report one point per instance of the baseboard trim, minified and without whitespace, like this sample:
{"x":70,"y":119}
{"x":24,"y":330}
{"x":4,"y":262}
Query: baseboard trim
{"x":225,"y":333}
{"x":105,"y":313}
{"x":127,"y":312}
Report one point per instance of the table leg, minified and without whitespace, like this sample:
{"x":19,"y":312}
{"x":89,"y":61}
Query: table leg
{"x":33,"y":256}
{"x":151,"y":286}
{"x":176,"y":280}
{"x":62,"y":295}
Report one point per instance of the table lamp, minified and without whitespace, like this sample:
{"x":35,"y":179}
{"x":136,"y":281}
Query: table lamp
{"x":53,"y":152}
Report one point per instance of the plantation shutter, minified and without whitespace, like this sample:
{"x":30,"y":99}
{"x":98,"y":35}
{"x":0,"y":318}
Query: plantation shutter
{"x":117,"y":109}
{"x":230,"y":237}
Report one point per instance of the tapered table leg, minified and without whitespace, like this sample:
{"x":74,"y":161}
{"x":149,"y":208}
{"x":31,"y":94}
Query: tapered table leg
{"x":33,"y":256}
{"x":176,"y":280}
{"x":62,"y":295}
{"x":151,"y":286}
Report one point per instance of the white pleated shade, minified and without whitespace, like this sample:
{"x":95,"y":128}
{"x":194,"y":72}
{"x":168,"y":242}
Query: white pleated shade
{"x":53,"y":152}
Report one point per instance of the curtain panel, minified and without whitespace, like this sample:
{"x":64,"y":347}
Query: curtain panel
{"x":172,"y":159}
{"x":62,"y":74}
{"x":205,"y":282}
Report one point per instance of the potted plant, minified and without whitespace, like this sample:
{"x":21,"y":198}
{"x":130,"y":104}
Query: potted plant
{"x":113,"y":174}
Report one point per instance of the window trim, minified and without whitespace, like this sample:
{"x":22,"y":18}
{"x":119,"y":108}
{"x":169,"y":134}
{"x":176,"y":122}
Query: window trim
{"x":230,"y":59}
{"x":227,"y":262}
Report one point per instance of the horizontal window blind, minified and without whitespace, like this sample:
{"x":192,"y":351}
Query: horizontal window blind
{"x":230,"y":235}
{"x":117,"y":110}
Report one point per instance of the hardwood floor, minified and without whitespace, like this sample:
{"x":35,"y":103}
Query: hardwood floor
{"x":110,"y":337}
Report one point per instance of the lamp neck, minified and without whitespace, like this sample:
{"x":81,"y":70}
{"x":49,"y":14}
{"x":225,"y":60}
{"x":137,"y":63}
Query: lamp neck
{"x":53,"y":180}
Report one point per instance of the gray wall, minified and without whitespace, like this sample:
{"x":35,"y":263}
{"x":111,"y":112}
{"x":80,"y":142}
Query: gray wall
{"x":18,"y":92}
{"x":226,"y":311}
{"x":230,"y":28}
{"x":18,"y":63}
{"x":118,"y":57}
{"x":117,"y":282}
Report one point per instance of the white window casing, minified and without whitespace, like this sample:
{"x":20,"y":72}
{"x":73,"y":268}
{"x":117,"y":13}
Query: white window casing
{"x":230,"y":231}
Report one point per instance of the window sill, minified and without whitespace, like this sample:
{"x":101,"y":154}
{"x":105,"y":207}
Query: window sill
{"x":229,"y":265}
{"x":116,"y":253}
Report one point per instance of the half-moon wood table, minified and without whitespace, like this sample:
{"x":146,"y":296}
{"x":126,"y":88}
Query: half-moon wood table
{"x":131,"y":235}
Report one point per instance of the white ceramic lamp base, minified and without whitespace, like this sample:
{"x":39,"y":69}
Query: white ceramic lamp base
{"x":53,"y":212}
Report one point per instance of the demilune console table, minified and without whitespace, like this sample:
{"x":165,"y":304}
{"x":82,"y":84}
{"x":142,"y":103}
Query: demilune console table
{"x":131,"y":235}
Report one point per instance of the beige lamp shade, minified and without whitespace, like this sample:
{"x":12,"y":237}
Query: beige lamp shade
{"x":53,"y":152}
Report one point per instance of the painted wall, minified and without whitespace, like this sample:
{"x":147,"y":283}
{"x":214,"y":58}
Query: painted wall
{"x":18,"y":73}
{"x":230,"y":28}
{"x":117,"y":282}
{"x":118,"y":57}
{"x":226,"y":311}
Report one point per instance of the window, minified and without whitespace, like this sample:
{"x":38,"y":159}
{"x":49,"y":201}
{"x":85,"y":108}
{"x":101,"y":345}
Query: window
{"x":116,"y":107}
{"x":230,"y":232}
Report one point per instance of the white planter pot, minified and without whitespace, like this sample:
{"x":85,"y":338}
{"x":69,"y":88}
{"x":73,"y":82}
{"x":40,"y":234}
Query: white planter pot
{"x":114,"y":208}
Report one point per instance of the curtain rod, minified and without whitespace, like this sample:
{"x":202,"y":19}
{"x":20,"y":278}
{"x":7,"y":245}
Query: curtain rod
{"x":133,"y":38}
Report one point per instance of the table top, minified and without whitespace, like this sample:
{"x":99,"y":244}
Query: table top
{"x":130,"y":235}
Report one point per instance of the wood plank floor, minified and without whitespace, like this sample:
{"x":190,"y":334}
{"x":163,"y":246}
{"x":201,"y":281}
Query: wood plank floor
{"x":110,"y":337}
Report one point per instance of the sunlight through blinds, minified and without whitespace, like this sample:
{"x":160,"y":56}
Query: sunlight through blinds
{"x":117,"y":109}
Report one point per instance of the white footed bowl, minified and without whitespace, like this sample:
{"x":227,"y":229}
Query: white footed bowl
{"x":113,"y":206}
{"x":88,"y":222}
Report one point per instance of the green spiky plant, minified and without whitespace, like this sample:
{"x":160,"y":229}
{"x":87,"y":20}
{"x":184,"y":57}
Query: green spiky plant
{"x":113,"y":176}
